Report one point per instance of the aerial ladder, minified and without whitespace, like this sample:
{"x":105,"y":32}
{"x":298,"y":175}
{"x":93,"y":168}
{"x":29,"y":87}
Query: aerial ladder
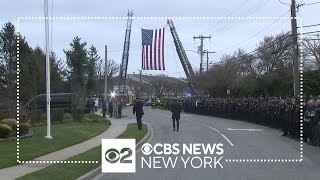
{"x":182,"y":55}
{"x":125,"y":57}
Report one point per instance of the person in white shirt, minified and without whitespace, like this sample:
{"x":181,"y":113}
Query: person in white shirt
{"x":96,"y":103}
{"x":115,"y":108}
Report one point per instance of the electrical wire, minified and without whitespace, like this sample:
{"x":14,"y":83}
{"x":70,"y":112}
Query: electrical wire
{"x":253,"y":35}
{"x":256,"y":51}
{"x":311,"y":32}
{"x":249,"y":12}
{"x":310,"y":25}
{"x":211,"y":27}
{"x":311,"y":3}
{"x":283,"y":3}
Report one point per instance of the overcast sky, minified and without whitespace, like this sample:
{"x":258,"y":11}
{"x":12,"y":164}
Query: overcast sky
{"x":227,"y":35}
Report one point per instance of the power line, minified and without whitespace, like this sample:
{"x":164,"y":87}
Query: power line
{"x":256,"y":51}
{"x":310,"y":3}
{"x":310,"y":25}
{"x":283,"y":3}
{"x":254,"y":34}
{"x":311,"y":32}
{"x":245,"y":14}
{"x":227,"y":15}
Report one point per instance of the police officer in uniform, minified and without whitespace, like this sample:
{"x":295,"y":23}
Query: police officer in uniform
{"x":176,"y":110}
{"x":137,"y":109}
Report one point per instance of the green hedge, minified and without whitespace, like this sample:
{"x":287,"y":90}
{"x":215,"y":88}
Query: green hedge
{"x":10,"y":122}
{"x":5,"y":130}
{"x":36,"y":116}
{"x":24,"y":128}
{"x":57,"y":115}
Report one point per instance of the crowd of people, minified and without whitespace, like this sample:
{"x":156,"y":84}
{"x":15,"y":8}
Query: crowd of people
{"x":280,"y":113}
{"x":113,"y":106}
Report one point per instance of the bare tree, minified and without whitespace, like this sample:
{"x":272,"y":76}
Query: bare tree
{"x":311,"y":48}
{"x":160,"y":86}
{"x":113,"y":68}
{"x":274,"y":52}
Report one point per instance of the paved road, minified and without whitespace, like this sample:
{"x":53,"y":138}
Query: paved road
{"x":241,"y":141}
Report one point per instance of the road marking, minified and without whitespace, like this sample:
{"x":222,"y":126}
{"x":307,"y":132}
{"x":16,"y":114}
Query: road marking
{"x":230,"y":129}
{"x":225,"y":137}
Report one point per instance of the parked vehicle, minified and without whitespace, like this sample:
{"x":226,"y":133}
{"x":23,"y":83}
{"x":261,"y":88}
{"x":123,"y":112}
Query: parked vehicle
{"x":148,"y":103}
{"x":58,"y":100}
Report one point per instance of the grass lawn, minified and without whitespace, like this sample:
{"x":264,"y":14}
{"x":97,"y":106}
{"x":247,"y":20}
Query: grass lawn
{"x":74,"y":171}
{"x":64,"y":135}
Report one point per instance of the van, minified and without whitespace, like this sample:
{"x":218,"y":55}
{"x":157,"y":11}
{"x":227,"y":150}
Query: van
{"x":58,"y":100}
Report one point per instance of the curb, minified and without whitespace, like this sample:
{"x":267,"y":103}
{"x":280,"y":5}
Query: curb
{"x":92,"y":174}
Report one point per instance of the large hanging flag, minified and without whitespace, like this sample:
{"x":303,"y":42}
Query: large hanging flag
{"x":153,"y":49}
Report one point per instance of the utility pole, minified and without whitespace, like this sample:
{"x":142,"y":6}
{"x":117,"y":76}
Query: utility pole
{"x":140,"y":85}
{"x":295,"y":50}
{"x":201,"y":48}
{"x":206,"y":51}
{"x":140,"y":74}
{"x":105,"y":72}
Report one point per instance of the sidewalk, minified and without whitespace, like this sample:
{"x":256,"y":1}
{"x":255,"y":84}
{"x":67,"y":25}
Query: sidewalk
{"x":118,"y":126}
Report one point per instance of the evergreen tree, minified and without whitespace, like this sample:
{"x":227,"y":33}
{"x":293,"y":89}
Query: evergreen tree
{"x":92,"y":71}
{"x":77,"y":62}
{"x":8,"y":60}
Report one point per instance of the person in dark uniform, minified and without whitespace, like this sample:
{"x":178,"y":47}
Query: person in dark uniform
{"x":110,"y":108}
{"x":120,"y":109}
{"x":137,"y":109}
{"x":104,"y":107}
{"x":176,"y":110}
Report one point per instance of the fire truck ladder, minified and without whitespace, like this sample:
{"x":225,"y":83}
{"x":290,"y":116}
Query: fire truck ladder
{"x":125,"y":56}
{"x":182,"y":55}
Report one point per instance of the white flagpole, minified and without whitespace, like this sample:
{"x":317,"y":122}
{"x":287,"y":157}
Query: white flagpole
{"x":47,"y":69}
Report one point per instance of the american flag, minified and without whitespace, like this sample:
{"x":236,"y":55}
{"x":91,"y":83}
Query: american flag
{"x":153,"y":49}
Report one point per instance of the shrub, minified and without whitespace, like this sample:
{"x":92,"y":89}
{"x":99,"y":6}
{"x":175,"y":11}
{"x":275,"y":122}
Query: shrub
{"x":24,"y":118}
{"x":95,"y":121}
{"x":77,"y":114}
{"x":36,"y":116}
{"x":5,"y":130}
{"x":57,"y":115}
{"x":87,"y":111}
{"x":10,"y":122}
{"x":24,"y":128}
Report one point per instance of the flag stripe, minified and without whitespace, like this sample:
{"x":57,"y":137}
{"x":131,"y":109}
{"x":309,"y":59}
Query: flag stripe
{"x":147,"y":49}
{"x":163,"y":67}
{"x":155,"y":49}
{"x":159,"y":47}
{"x":142,"y":58}
{"x":151,"y":56}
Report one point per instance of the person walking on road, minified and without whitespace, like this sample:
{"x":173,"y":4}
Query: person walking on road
{"x":176,"y":110}
{"x":137,"y":109}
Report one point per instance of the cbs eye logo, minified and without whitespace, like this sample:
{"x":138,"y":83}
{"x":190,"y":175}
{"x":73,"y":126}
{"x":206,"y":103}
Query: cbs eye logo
{"x":118,"y":155}
{"x":113,"y":155}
